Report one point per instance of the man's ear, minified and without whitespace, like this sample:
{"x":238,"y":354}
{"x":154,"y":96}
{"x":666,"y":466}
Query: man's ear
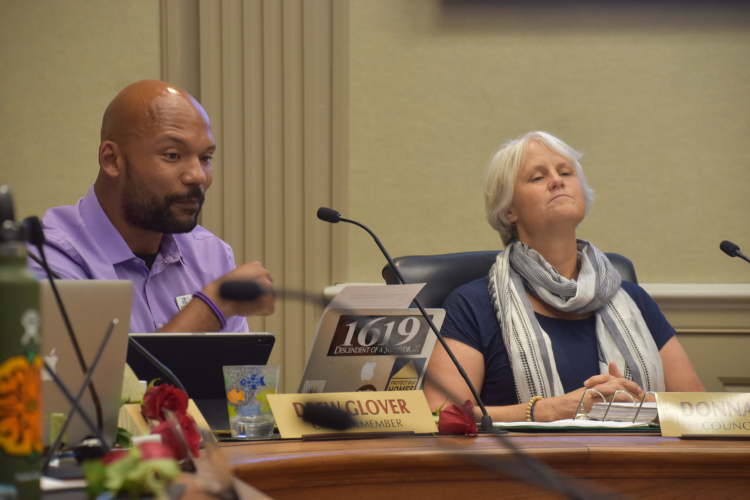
{"x":111,"y":159}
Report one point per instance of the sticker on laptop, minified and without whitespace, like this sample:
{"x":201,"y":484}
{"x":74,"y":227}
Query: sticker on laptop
{"x":405,"y":374}
{"x":378,"y":335}
{"x":368,"y":369}
{"x":313,"y":386}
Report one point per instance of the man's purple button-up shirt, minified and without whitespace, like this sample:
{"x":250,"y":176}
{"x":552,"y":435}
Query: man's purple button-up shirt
{"x":82,"y":243}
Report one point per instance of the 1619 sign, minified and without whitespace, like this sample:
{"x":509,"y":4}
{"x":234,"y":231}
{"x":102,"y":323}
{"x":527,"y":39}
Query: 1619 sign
{"x":378,"y":335}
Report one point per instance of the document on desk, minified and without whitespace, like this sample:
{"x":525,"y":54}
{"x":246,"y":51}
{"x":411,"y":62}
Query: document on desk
{"x":624,"y":412}
{"x":576,"y":425}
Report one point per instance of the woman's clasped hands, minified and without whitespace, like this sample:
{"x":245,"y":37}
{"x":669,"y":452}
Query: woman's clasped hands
{"x":607,"y":384}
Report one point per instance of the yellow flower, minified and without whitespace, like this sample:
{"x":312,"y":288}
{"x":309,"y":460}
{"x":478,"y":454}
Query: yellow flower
{"x":20,"y":406}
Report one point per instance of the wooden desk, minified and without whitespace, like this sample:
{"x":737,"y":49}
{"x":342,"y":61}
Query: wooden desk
{"x":646,"y":466}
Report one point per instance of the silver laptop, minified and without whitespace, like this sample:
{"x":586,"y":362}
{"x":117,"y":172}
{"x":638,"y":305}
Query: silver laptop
{"x":91,"y":305}
{"x":370,"y":350}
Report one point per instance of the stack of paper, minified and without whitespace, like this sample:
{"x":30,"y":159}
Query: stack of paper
{"x":572,"y":425}
{"x":623,"y":412}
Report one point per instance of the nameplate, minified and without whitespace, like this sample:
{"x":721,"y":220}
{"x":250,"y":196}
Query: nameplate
{"x":374,"y":411}
{"x":683,"y":414}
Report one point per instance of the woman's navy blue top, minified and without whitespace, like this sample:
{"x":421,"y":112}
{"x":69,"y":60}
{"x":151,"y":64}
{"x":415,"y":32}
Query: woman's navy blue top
{"x":470,"y":319}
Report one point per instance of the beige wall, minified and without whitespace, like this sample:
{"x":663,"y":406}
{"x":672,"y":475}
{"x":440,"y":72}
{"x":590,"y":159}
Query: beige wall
{"x":655,"y":97}
{"x":62,"y":62}
{"x":714,"y":356}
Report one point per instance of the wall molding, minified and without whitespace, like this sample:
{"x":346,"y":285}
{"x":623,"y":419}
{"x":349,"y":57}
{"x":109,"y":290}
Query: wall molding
{"x":704,"y":308}
{"x":722,"y":294}
{"x":691,"y":308}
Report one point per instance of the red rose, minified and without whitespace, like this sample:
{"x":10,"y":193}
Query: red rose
{"x":164,"y":396}
{"x":155,"y":450}
{"x":190,"y":430}
{"x":148,"y":451}
{"x":168,"y":438}
{"x":458,"y":420}
{"x":114,"y":455}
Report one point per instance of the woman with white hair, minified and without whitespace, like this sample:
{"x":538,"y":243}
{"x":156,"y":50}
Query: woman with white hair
{"x":553,"y":317}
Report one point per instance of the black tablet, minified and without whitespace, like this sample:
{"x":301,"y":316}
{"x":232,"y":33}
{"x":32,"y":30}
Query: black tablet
{"x":196,"y":359}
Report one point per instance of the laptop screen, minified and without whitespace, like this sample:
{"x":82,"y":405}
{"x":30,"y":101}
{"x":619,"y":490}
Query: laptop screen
{"x":370,"y":350}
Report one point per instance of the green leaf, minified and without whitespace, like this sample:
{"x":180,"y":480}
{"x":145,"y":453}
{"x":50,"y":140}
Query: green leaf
{"x":131,"y":476}
{"x":158,"y":473}
{"x":118,"y":472}
{"x":152,"y":383}
{"x":95,"y":473}
{"x":123,"y":437}
{"x":436,"y":413}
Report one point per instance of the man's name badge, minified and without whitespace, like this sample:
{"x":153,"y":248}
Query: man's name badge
{"x":183,"y":300}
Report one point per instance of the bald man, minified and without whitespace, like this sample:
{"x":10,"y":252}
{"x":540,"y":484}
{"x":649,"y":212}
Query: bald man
{"x":139,"y":220}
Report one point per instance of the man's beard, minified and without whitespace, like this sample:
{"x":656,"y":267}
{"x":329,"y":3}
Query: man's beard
{"x":145,"y":210}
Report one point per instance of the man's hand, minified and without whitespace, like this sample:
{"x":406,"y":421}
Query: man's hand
{"x":252,"y":271}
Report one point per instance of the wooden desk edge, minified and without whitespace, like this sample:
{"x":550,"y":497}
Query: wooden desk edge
{"x":613,"y":458}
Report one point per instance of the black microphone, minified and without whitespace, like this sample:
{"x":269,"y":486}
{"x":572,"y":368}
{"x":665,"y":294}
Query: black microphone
{"x":324,"y":416}
{"x":241,"y":290}
{"x":732,"y":250}
{"x":249,"y":290}
{"x":34,"y":234}
{"x":330,"y":215}
{"x":32,"y":230}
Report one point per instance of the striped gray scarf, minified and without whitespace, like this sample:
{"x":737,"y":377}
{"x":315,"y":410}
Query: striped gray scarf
{"x":622,"y":334}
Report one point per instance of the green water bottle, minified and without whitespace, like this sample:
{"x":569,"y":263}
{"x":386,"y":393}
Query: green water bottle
{"x":20,"y":364}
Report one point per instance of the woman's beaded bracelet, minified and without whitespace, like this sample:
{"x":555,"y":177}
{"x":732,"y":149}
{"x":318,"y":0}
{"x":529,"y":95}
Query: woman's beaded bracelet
{"x":530,"y":408}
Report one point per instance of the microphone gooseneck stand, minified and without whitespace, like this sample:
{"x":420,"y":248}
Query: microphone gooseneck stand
{"x":332,"y":216}
{"x":86,"y":383}
{"x":158,"y":364}
{"x":35,"y":235}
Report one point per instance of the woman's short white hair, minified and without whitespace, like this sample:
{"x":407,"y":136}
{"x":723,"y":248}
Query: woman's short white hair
{"x":500,"y":178}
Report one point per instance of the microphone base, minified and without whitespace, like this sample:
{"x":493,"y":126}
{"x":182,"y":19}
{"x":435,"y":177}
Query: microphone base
{"x":491,"y":432}
{"x":486,"y":427}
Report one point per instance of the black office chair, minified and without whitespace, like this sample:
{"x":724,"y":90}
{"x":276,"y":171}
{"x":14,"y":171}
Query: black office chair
{"x":445,"y":273}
